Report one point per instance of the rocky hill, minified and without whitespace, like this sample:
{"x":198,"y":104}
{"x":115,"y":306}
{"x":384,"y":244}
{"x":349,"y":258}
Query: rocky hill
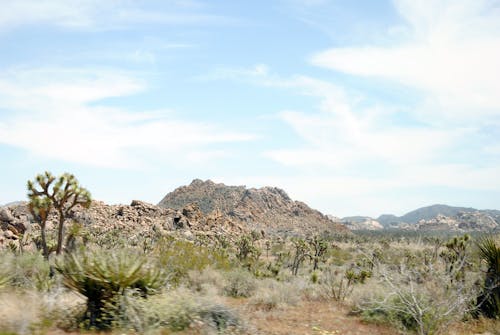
{"x":269,"y":208}
{"x":199,"y":209}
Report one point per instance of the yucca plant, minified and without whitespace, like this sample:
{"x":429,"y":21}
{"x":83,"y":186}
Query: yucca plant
{"x":103,"y":276}
{"x":489,"y":300}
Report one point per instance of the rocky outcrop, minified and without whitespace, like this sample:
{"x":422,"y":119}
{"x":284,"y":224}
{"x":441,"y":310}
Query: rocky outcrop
{"x":139,"y":219}
{"x":463,"y":222}
{"x":269,"y":208}
{"x":14,"y":222}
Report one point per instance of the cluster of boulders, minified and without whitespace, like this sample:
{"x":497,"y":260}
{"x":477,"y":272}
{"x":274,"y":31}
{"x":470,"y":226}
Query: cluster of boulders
{"x":137,"y":219}
{"x":14,"y":222}
{"x":463,"y":221}
{"x":267,"y":209}
{"x":201,"y":208}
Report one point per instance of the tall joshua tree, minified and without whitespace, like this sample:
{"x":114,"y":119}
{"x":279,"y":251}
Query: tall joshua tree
{"x":61,"y":194}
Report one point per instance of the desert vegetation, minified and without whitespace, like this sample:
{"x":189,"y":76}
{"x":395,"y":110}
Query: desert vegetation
{"x":69,"y":278}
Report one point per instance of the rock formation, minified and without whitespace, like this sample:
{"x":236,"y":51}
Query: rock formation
{"x":134,"y":220}
{"x":463,"y":222}
{"x":269,"y":208}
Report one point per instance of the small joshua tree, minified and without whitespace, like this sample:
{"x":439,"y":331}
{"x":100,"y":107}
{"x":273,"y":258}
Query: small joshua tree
{"x":301,"y":253}
{"x":319,"y":248}
{"x":62,"y":194}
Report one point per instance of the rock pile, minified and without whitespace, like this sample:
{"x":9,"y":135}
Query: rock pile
{"x":137,"y":219}
{"x":268,"y":209}
{"x":463,"y":221}
{"x":14,"y":222}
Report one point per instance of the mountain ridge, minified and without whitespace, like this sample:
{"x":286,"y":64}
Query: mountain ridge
{"x":430,"y":212}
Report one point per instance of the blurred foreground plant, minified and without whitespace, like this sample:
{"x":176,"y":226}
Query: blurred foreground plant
{"x":103,"y":277}
{"x":489,"y":299}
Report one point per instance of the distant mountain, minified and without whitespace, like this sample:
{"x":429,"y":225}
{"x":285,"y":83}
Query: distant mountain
{"x":429,"y":212}
{"x":441,"y":217}
{"x":388,"y":220}
{"x":424,"y":213}
{"x":266,"y":208}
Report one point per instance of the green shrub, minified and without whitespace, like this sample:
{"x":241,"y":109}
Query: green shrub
{"x":27,"y":270}
{"x":180,"y":257}
{"x":419,"y":316}
{"x":240,"y":283}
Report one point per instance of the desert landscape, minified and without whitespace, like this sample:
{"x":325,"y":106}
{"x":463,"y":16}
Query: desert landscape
{"x":263,"y":167}
{"x":211,"y":258}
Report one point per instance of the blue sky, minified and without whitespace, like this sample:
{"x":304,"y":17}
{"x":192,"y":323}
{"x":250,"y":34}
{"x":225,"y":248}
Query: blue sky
{"x":354,"y":107}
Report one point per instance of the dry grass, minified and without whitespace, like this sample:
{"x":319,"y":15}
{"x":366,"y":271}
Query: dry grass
{"x":19,"y":313}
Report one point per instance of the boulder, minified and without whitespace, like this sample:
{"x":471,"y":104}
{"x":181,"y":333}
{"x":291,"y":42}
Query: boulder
{"x":6,"y":216}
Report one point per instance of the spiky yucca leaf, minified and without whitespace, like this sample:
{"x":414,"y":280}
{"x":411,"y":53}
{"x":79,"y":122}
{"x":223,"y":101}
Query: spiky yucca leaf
{"x":489,"y":300}
{"x":101,"y":277}
{"x":490,"y":253}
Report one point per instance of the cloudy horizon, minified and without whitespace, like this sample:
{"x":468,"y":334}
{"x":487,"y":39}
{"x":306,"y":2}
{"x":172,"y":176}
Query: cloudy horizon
{"x":362,"y":108}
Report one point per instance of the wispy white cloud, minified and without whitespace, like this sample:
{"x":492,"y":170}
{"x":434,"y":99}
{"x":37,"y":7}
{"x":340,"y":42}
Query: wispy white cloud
{"x":352,"y":148}
{"x":450,"y":52}
{"x":343,"y":133}
{"x":56,"y":113}
{"x":109,"y":14}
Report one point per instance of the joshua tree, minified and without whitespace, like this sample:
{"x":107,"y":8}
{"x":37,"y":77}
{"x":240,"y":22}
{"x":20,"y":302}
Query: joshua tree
{"x":319,"y":247}
{"x":62,"y":194}
{"x":301,"y":252}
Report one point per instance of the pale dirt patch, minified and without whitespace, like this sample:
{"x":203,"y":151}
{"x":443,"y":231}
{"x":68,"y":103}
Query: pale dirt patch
{"x":308,"y":318}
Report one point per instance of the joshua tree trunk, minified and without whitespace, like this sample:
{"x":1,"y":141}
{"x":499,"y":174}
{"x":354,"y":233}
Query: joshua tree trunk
{"x":60,"y":233}
{"x":45,"y":250}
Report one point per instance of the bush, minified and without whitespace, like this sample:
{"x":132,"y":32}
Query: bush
{"x":180,"y":257}
{"x":206,"y":280}
{"x":27,"y":271}
{"x":239,"y":284}
{"x":272,"y":294}
{"x":181,"y":309}
{"x":419,"y":300}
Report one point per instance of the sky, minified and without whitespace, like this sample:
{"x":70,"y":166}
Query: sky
{"x":353,"y":107}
